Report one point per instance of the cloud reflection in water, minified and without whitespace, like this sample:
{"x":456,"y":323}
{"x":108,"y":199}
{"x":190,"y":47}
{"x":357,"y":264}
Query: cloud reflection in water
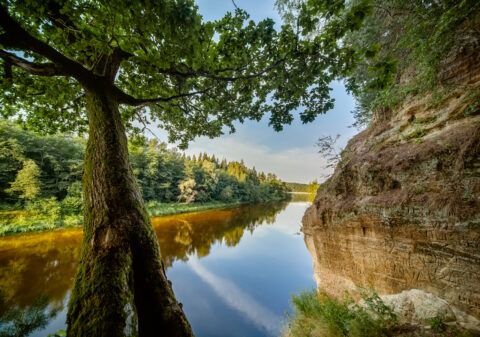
{"x":238,"y":299}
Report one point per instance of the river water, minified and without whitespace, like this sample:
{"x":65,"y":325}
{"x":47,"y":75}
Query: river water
{"x":234,"y":270}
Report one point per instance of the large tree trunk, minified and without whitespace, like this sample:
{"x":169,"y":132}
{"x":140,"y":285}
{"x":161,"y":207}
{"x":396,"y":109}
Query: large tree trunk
{"x":121,"y":288}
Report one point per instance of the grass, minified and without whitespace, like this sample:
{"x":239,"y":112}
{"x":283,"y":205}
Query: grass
{"x":22,"y":221}
{"x":319,"y":315}
{"x":437,"y":324}
{"x":156,"y":208}
{"x":16,"y":222}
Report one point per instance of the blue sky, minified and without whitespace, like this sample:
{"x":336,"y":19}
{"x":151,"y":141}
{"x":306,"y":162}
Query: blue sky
{"x":291,"y":154}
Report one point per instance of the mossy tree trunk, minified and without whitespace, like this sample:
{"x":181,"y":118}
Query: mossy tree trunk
{"x":121,"y":288}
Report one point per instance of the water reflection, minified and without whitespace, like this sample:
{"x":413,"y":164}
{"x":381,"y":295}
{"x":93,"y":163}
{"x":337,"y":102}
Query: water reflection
{"x":302,"y":197}
{"x":43,"y":265}
{"x":37,"y":265}
{"x":188,"y":234}
{"x":17,"y":322}
{"x":238,"y":299}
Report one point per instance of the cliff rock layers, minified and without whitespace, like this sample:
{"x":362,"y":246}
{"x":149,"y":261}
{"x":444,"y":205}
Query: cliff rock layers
{"x":402,"y":209}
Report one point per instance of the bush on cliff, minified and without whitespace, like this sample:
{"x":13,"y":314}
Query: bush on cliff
{"x":317,"y":314}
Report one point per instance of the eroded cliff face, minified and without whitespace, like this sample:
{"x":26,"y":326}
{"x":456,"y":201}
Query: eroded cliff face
{"x":402,"y":209}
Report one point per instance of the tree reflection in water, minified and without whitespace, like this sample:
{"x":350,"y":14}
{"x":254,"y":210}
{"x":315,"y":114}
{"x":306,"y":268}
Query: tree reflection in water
{"x":183,"y":235}
{"x":35,"y":267}
{"x":20,"y":322}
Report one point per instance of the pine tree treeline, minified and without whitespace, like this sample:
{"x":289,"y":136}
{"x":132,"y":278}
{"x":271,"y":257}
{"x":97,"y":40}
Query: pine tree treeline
{"x":168,"y":176}
{"x":164,"y":175}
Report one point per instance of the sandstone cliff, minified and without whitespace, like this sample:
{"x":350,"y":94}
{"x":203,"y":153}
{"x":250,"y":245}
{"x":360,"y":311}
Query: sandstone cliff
{"x":402,"y":209}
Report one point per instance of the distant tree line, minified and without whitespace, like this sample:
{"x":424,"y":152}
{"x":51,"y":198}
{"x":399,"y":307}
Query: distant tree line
{"x":311,"y":187}
{"x":167,"y":175}
{"x":42,"y":174}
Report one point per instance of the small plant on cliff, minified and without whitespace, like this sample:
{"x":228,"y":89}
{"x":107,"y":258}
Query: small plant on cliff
{"x":317,"y":314}
{"x":329,"y":150}
{"x":473,"y":103}
{"x":437,"y":324}
{"x":375,"y":305}
{"x":416,"y":134}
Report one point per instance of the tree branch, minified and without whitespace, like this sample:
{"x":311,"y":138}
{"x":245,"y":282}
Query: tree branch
{"x":215,"y":76}
{"x":17,"y":37}
{"x":7,"y":70}
{"x":41,"y":69}
{"x":61,"y":20}
{"x":115,"y":60}
{"x":110,"y":64}
{"x":124,"y":98}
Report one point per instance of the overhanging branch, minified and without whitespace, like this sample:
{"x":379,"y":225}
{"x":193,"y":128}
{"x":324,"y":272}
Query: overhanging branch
{"x":41,"y":69}
{"x":62,"y":21}
{"x":17,"y":37}
{"x":217,"y":74}
{"x":124,"y":98}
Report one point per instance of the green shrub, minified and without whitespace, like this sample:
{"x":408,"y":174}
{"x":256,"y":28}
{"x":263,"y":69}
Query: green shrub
{"x":227,"y":194}
{"x":437,"y":324}
{"x":317,"y":314}
{"x":72,"y":220}
{"x":72,"y":204}
{"x":47,"y":211}
{"x":375,"y":305}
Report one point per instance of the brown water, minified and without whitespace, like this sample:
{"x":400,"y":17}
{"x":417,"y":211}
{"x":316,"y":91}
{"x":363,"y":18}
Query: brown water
{"x":234,"y":270}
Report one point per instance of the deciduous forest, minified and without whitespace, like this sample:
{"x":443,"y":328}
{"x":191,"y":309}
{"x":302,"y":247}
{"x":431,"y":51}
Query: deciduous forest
{"x":40,"y":180}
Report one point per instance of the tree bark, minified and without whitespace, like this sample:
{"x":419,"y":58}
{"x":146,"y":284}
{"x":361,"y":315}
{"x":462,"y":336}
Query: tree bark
{"x":120,"y":288}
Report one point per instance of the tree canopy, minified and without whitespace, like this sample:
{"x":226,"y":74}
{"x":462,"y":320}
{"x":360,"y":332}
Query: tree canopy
{"x":161,"y":61}
{"x":164,"y":63}
{"x":398,"y":48}
{"x":26,"y":183}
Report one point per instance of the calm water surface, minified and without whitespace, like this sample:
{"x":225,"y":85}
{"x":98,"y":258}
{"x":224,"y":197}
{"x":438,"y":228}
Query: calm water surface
{"x":234,"y":270}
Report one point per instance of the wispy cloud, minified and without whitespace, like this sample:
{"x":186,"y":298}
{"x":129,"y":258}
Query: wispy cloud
{"x":238,"y":299}
{"x":291,"y":164}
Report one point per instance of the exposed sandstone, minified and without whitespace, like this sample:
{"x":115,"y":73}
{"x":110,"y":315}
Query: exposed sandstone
{"x":418,"y":307}
{"x":402,"y":209}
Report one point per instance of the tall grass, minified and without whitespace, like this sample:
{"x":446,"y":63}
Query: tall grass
{"x":318,"y":315}
{"x":155,"y":208}
{"x":48,"y":214}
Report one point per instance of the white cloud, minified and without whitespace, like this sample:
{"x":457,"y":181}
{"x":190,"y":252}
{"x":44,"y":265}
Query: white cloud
{"x":293,"y":164}
{"x":290,"y":154}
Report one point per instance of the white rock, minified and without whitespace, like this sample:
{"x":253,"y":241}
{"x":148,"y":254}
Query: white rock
{"x":419,"y":307}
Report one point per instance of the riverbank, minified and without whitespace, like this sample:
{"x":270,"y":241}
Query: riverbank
{"x":317,"y":314}
{"x":229,"y":244}
{"x":13,"y":221}
{"x":161,"y":209}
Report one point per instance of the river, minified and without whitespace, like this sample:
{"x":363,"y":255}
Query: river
{"x":234,"y":270}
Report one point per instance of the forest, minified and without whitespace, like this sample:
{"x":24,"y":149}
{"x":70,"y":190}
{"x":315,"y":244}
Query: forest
{"x":40,"y":180}
{"x":310,"y":188}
